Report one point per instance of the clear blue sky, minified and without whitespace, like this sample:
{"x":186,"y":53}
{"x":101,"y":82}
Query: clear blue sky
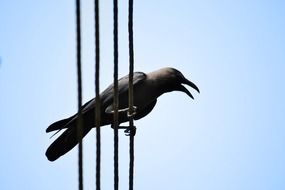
{"x":231,"y":137}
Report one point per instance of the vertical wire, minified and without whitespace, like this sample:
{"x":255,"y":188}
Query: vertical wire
{"x":131,"y":100}
{"x":97,"y":97}
{"x":116,"y":99}
{"x":79,"y":81}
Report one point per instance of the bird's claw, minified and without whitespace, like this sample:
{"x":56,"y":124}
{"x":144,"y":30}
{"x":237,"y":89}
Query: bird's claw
{"x":130,"y":131}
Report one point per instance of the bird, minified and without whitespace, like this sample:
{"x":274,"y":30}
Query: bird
{"x":146,"y":89}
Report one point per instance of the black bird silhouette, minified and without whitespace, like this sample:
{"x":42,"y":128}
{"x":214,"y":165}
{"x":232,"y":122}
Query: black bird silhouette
{"x":147,"y":88}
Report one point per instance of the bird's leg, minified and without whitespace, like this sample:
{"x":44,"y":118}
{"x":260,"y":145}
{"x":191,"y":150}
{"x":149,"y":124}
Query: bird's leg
{"x":128,"y":130}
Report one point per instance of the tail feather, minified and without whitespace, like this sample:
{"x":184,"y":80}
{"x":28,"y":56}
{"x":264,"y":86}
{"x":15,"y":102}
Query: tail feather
{"x":58,"y":125}
{"x":65,"y":142}
{"x":69,"y":138}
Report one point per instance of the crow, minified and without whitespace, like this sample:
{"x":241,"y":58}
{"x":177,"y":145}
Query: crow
{"x":146,"y":89}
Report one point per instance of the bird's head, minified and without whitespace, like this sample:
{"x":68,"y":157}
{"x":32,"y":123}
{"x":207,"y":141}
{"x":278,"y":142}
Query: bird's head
{"x":172,"y":80}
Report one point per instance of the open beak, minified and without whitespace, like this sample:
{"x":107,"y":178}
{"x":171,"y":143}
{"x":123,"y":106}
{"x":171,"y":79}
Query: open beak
{"x":189,"y":83}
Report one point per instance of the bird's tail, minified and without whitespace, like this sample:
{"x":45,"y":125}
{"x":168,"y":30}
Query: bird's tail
{"x":66,"y":141}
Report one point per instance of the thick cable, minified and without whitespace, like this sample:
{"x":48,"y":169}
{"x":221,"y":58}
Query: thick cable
{"x":79,"y":84}
{"x":97,"y":97}
{"x":116,"y":98}
{"x":131,"y":99}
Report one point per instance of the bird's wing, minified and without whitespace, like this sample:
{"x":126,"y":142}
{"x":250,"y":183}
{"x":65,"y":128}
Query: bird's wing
{"x":106,"y":99}
{"x":106,"y":96}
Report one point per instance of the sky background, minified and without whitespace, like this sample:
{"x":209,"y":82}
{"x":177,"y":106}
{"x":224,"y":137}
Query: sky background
{"x":231,"y":137}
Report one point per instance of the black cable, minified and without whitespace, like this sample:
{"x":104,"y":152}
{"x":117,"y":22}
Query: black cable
{"x":79,"y":83}
{"x":131,"y":101}
{"x":97,"y":97}
{"x":116,"y":99}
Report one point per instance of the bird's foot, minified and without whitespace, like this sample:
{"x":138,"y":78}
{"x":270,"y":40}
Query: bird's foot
{"x":128,"y":130}
{"x":131,"y":131}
